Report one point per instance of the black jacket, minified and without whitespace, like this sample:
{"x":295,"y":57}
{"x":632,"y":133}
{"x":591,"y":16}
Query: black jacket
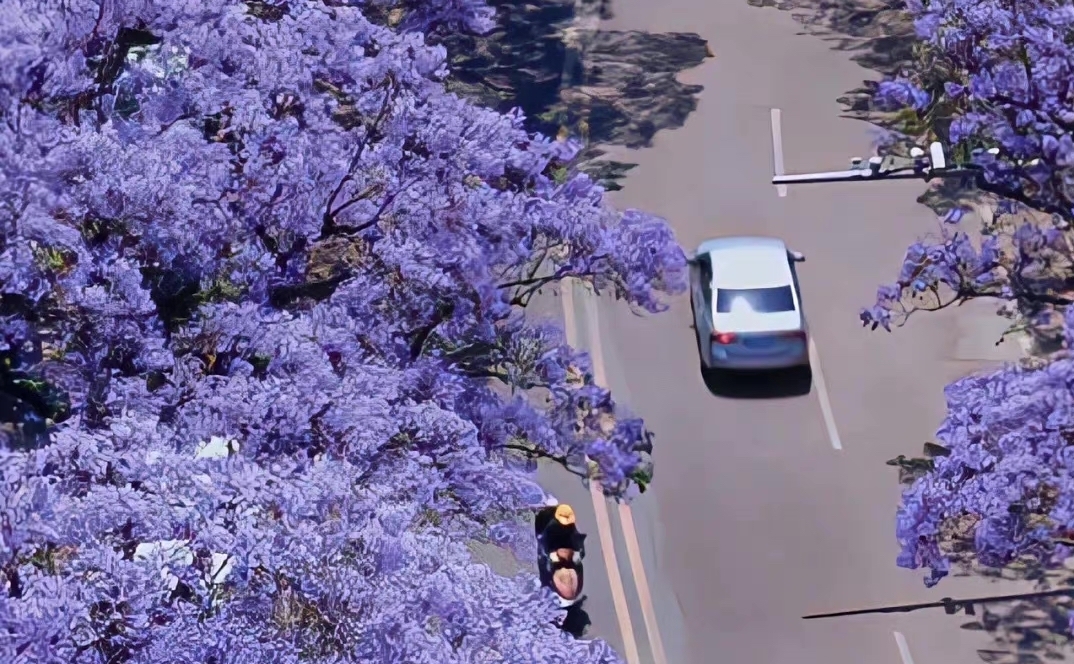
{"x":557,"y":536}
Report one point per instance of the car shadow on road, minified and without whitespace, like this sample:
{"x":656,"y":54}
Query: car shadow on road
{"x":780,"y":384}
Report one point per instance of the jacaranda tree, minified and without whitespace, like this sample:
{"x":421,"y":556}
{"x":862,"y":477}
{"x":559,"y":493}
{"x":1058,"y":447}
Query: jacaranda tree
{"x":264,"y":366}
{"x":993,"y":81}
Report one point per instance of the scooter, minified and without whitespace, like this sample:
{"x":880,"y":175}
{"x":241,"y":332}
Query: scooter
{"x":560,"y":569}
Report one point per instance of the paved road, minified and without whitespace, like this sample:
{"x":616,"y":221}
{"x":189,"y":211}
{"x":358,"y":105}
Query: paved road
{"x":756,"y":518}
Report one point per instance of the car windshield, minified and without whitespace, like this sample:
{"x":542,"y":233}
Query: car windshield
{"x":758,"y":300}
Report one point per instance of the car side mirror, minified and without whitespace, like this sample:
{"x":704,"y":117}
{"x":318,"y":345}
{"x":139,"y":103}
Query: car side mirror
{"x":797,"y":256}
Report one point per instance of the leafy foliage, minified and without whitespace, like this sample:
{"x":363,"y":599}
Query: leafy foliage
{"x":995,"y":75}
{"x":265,"y":365}
{"x":992,"y":80}
{"x":996,"y":491}
{"x":1016,"y":258}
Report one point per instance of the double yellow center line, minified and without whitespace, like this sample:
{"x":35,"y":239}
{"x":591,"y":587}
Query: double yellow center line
{"x":592,"y":343}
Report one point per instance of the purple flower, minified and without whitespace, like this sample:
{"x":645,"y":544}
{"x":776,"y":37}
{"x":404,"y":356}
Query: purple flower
{"x":961,"y":128}
{"x":1016,"y":66}
{"x":954,"y":90}
{"x":954,"y":215}
{"x":272,"y":282}
{"x":901,"y":93}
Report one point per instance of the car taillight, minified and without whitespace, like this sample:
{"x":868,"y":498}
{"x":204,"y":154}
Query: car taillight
{"x":724,"y":338}
{"x":794,"y":334}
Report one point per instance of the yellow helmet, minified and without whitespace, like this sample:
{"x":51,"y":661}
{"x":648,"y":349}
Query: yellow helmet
{"x":565,"y":515}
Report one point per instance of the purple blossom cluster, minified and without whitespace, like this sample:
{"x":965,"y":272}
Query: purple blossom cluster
{"x":993,"y":82}
{"x":999,"y":491}
{"x":995,"y":75}
{"x":1016,"y":259}
{"x":265,"y":368}
{"x":998,"y":487}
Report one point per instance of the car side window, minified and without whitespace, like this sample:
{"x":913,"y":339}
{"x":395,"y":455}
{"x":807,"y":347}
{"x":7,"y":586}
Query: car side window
{"x":704,"y":265}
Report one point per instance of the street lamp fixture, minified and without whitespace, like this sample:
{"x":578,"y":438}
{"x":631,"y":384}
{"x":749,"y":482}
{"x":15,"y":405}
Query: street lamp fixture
{"x":920,"y":166}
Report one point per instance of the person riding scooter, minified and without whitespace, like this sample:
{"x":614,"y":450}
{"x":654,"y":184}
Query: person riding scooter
{"x":562,"y":549}
{"x":560,"y":537}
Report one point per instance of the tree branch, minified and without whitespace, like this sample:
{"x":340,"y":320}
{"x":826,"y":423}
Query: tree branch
{"x":539,"y":281}
{"x":1020,"y":196}
{"x":335,"y":229}
{"x":371,"y":190}
{"x":168,"y":125}
{"x":1025,"y":106}
{"x":484,"y":373}
{"x":534,"y":453}
{"x":530,"y":286}
{"x":417,"y":346}
{"x":281,"y":296}
{"x":328,"y":221}
{"x":959,"y":297}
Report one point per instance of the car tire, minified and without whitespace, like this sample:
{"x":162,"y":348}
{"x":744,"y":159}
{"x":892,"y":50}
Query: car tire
{"x":801,"y":378}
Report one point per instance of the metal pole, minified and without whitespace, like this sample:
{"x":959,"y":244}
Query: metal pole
{"x":864,"y":175}
{"x":853,"y":175}
{"x":919,"y":167}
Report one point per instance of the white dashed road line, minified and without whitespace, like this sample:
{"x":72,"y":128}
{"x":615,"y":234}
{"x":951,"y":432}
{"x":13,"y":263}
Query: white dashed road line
{"x":822,"y":396}
{"x":777,"y":149}
{"x":904,"y":648}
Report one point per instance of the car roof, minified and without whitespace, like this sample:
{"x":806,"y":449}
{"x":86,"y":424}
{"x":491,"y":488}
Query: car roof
{"x":747,"y":262}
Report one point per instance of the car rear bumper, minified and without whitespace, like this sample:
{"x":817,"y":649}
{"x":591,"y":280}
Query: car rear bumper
{"x":795,"y":358}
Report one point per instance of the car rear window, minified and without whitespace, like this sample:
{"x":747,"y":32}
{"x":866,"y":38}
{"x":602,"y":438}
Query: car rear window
{"x":761,"y":300}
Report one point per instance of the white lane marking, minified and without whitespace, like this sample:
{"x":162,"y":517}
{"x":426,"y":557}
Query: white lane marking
{"x":626,"y":516}
{"x":777,"y":149}
{"x":822,"y":395}
{"x":600,"y":507}
{"x":904,"y":648}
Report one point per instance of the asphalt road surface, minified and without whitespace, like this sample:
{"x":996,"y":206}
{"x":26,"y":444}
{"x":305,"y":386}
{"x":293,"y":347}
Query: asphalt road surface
{"x":767,"y":508}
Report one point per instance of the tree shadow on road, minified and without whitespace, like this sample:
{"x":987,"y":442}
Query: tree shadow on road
{"x":607,"y":87}
{"x":878,"y":34}
{"x":1033,"y":630}
{"x":780,"y":384}
{"x":628,"y":87}
{"x":1027,"y":631}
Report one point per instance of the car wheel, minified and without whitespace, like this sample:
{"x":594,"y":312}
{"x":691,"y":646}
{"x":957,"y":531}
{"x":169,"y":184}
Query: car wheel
{"x":801,"y":379}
